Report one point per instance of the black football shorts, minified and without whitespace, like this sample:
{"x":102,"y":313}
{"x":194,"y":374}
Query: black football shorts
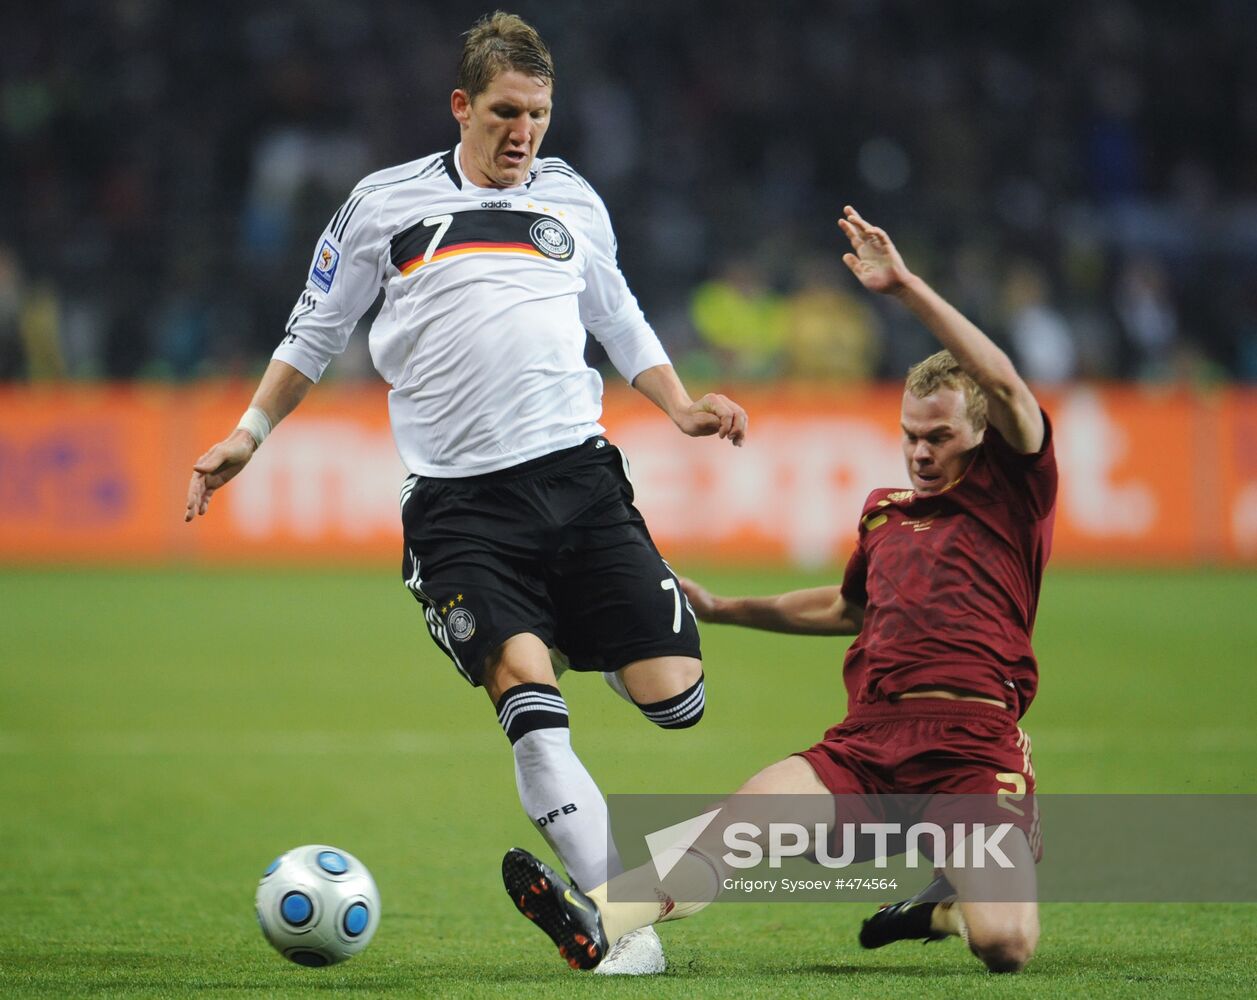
{"x":553,"y":547}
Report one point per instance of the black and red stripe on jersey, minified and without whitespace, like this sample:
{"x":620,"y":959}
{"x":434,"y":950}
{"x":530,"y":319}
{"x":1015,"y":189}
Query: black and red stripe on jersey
{"x":475,"y":231}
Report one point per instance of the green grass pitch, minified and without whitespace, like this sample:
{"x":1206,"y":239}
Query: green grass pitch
{"x":164,"y":734}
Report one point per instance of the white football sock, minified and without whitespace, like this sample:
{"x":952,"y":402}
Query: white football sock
{"x":641,"y":898}
{"x":554,"y":788}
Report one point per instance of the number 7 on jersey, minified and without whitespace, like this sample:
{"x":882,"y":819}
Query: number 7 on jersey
{"x":442,"y":223}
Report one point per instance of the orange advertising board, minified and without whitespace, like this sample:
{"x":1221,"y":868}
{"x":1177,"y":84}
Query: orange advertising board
{"x":100,"y":473}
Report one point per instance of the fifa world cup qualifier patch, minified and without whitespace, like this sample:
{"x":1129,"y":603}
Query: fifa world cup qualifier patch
{"x":325,"y":263}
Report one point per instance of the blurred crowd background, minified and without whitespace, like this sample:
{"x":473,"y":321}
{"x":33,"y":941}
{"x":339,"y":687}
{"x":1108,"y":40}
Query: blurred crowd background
{"x":1079,"y":177}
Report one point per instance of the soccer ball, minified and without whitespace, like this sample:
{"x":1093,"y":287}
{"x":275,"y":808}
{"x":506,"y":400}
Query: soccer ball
{"x":318,"y":905}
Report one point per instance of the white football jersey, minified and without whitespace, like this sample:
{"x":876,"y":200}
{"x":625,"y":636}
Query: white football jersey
{"x":487,"y":297}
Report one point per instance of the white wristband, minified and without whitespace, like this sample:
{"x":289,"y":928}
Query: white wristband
{"x":257,"y":423}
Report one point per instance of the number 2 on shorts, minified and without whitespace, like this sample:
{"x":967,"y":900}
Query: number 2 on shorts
{"x":1007,"y":798}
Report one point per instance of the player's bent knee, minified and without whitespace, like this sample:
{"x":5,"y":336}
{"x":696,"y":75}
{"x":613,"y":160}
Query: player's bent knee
{"x":1005,"y":958}
{"x":521,"y":659}
{"x":1009,"y":951}
{"x":681,"y":711}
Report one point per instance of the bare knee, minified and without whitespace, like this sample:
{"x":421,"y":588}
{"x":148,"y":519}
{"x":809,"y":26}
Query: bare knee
{"x":1006,"y":950}
{"x":668,"y":690}
{"x":521,"y":659}
{"x":1001,"y":917}
{"x":661,"y":677}
{"x":1002,"y":934}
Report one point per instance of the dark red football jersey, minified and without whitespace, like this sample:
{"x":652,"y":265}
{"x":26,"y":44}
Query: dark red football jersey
{"x":950,"y":583}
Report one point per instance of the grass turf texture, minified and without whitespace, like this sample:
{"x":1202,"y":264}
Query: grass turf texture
{"x":164,"y":734}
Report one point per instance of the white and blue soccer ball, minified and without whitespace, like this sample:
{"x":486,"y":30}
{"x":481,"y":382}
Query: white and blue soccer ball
{"x":318,"y":905}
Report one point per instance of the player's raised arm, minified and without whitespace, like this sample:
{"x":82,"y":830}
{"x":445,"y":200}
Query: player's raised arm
{"x":815,"y":611}
{"x":281,"y":389}
{"x":1011,"y":407}
{"x":713,"y":414}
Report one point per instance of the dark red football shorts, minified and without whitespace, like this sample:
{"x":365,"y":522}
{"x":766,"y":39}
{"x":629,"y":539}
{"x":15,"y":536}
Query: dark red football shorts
{"x":963,"y":758}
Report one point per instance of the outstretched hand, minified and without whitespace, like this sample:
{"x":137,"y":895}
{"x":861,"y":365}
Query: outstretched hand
{"x":216,"y":468}
{"x":701,"y":599}
{"x":875,"y":262}
{"x":714,"y":414}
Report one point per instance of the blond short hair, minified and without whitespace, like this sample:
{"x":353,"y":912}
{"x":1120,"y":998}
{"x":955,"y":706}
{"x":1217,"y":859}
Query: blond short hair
{"x":499,"y":42}
{"x":942,"y":371}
